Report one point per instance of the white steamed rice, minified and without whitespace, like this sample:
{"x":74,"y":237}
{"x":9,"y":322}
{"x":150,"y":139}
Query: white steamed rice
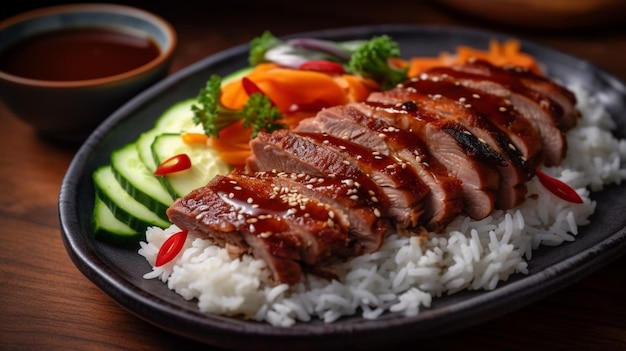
{"x":406,"y":273}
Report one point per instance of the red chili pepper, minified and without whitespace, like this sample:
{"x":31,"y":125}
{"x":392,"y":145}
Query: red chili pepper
{"x":173,"y":164}
{"x":324,"y":66}
{"x":250,"y":87}
{"x":170,"y":248}
{"x":558,"y":188}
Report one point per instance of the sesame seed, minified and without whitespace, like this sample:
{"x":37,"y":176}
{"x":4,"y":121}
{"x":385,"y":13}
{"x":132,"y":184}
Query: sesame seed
{"x":331,"y":214}
{"x":342,"y":147}
{"x":502,"y":109}
{"x":250,"y":200}
{"x":376,"y":212}
{"x":468,"y":105}
{"x":511,"y":146}
{"x":346,"y":162}
{"x":255,"y":205}
{"x":374,"y":199}
{"x":476,"y":96}
{"x":462,"y":99}
{"x":231,"y":195}
{"x":252,"y":220}
{"x":237,"y":188}
{"x":330,"y":222}
{"x":200,"y":215}
{"x":265,"y":234}
{"x":354,"y":197}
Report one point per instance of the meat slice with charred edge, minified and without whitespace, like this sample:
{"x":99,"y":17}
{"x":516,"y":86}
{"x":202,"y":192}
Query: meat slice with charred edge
{"x":465,"y":157}
{"x":550,"y":118}
{"x":486,"y":117}
{"x":444,"y":199}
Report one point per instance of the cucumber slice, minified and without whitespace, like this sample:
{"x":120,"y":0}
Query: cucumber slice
{"x":138,"y":181}
{"x":110,"y":229}
{"x":205,"y":163}
{"x":123,"y":206}
{"x":176,"y":119}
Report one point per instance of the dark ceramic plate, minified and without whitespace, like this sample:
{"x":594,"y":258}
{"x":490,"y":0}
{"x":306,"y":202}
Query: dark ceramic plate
{"x":118,"y":272}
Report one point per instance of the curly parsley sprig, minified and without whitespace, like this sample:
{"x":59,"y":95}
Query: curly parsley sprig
{"x":258,"y":113}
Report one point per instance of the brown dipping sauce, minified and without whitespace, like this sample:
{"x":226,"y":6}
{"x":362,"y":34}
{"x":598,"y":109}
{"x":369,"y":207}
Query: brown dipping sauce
{"x":77,"y":54}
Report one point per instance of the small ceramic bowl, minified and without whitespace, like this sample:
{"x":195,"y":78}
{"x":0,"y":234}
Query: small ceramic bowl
{"x":69,"y":109}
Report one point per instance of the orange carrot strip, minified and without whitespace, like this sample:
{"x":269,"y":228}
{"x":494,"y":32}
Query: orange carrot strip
{"x":357,"y":88}
{"x":194,"y":138}
{"x":420,"y":64}
{"x":506,"y":53}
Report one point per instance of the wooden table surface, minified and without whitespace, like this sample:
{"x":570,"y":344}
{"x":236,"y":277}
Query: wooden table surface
{"x":46,"y":303}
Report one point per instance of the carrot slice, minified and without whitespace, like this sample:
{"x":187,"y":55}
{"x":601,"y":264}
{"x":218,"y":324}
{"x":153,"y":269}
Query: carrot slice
{"x":507,"y":53}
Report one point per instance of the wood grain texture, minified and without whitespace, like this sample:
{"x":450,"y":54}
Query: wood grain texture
{"x":47,"y":304}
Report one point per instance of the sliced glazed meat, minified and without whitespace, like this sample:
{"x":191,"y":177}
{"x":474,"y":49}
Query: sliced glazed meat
{"x":286,"y":228}
{"x":500,"y":129}
{"x":451,"y":145}
{"x":560,"y":100}
{"x":322,"y":155}
{"x":541,"y":111}
{"x":360,"y":209}
{"x":443,"y":201}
